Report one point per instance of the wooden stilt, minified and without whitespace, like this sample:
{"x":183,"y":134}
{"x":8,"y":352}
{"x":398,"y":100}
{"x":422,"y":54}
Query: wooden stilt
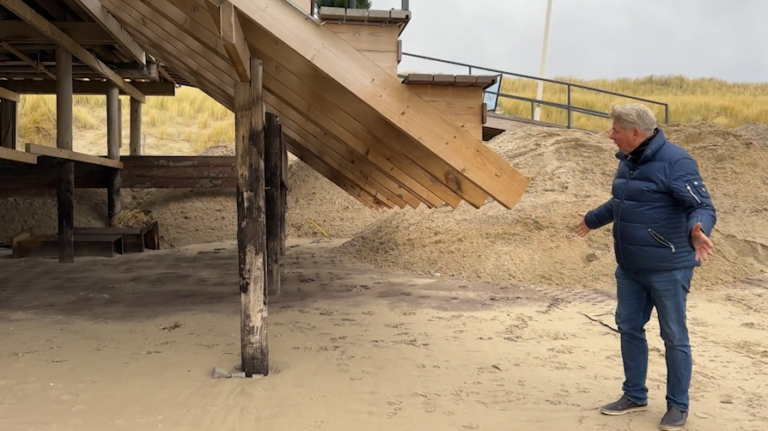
{"x":65,"y":185}
{"x":283,"y":192}
{"x":113,"y":150}
{"x":135,"y":145}
{"x":9,"y":120}
{"x":251,"y":235}
{"x":273,"y":167}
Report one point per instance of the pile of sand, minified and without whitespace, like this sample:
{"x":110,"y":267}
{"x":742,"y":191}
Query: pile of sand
{"x":315,"y":205}
{"x":571,"y":171}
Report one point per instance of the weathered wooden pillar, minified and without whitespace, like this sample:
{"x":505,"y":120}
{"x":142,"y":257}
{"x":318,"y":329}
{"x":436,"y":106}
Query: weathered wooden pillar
{"x":283,"y":192}
{"x":9,"y":123}
{"x":113,"y":150}
{"x":135,"y":145}
{"x":251,"y":235}
{"x":65,"y":184}
{"x":273,"y":168}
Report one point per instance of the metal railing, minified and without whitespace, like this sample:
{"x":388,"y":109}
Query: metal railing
{"x":569,"y":107}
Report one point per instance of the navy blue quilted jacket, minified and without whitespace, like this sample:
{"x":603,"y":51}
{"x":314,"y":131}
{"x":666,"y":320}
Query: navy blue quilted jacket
{"x":656,"y":202}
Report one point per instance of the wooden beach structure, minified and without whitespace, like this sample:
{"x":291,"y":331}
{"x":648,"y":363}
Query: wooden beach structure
{"x":322,"y":84}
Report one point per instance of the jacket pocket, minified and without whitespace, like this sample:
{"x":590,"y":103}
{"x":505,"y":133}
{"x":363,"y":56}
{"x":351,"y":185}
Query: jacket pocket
{"x":661,"y":240}
{"x":697,"y":190}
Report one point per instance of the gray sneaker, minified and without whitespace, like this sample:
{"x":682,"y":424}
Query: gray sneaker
{"x":623,"y":406}
{"x":673,"y":420}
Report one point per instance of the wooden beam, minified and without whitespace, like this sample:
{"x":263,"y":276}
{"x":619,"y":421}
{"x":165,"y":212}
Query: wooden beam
{"x":273,"y":167}
{"x":234,"y":41}
{"x":9,"y":95}
{"x":113,"y":151}
{"x":63,"y":153}
{"x":9,"y":122}
{"x":136,"y":148}
{"x":371,"y":95}
{"x":17,"y":156}
{"x":23,"y":57}
{"x":47,"y":86}
{"x":283,"y":191}
{"x":128,"y":46}
{"x":26,"y":13}
{"x":249,"y":131}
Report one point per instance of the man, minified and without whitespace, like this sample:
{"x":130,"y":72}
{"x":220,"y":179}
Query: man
{"x":662,"y":218}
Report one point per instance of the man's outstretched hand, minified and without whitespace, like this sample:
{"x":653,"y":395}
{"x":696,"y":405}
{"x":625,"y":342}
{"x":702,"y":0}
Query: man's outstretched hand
{"x":701,"y":243}
{"x":582,"y":229}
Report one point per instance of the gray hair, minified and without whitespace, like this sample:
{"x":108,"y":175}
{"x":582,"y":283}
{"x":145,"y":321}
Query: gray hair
{"x":634,"y":116}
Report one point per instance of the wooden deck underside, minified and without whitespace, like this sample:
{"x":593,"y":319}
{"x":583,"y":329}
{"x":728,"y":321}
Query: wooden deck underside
{"x":341,"y":113}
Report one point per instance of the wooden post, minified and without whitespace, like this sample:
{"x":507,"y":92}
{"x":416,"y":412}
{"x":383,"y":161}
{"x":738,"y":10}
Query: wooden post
{"x":251,"y":235}
{"x":65,"y":184}
{"x":9,"y":123}
{"x":273,"y":167}
{"x":113,"y":150}
{"x":135,"y":145}
{"x":283,"y":191}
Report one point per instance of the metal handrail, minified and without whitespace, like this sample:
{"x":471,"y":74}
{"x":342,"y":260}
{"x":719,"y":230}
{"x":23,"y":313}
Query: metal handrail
{"x":569,"y":107}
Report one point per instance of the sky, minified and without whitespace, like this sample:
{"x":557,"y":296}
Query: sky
{"x":591,"y":39}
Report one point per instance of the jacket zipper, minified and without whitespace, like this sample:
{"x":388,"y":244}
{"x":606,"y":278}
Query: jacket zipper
{"x":662,"y":240}
{"x":688,"y":186}
{"x":618,"y":217}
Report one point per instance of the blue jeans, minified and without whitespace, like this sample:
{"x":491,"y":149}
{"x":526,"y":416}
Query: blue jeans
{"x":638,"y":292}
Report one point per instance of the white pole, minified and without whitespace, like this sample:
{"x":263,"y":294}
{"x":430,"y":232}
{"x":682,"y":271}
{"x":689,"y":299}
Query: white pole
{"x":540,"y":91}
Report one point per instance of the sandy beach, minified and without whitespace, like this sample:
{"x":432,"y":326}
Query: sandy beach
{"x":130,"y":343}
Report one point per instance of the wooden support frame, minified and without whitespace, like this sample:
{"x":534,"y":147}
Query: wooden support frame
{"x":204,"y":31}
{"x":26,"y":13}
{"x":23,"y":57}
{"x":251,"y":236}
{"x":127,"y":45}
{"x":273,"y":169}
{"x":17,"y":156}
{"x":234,"y":41}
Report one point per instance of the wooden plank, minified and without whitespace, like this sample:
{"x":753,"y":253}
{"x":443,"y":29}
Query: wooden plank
{"x":99,"y":88}
{"x":336,"y":67}
{"x":127,"y":45}
{"x":465,"y":80}
{"x":9,"y":95}
{"x":234,"y":41}
{"x":249,"y":126}
{"x":63,"y":154}
{"x":273,"y":166}
{"x":332,"y":13}
{"x":17,"y":156}
{"x":113,"y":151}
{"x":418,"y":79}
{"x":367,"y":37}
{"x":447,"y":80}
{"x":356,"y":14}
{"x":26,"y":13}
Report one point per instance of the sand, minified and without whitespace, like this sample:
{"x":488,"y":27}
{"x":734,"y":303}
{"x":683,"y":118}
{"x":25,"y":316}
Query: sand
{"x":316,"y":208}
{"x":129,"y":344}
{"x":571,"y":172}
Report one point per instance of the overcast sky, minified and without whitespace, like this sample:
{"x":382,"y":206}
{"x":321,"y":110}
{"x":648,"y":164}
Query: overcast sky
{"x":592,"y":38}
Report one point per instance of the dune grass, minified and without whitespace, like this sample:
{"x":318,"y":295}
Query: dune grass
{"x":689,"y":100}
{"x":191,"y":121}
